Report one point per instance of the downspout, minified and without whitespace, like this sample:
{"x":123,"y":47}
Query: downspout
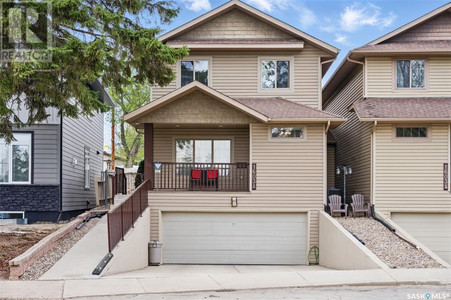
{"x":61,"y":169}
{"x":320,"y":78}
{"x":364,"y":72}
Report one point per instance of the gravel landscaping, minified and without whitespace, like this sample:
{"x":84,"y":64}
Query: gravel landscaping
{"x":44,"y":263}
{"x":393,"y":251}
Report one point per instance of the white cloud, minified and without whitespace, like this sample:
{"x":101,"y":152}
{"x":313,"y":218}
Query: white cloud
{"x":341,"y":39}
{"x":270,"y":5}
{"x":360,"y":14}
{"x":387,"y":21}
{"x":197,"y":5}
{"x":307,"y":17}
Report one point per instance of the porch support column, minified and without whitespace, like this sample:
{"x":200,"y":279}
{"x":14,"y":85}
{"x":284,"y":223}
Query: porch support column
{"x":148,"y":153}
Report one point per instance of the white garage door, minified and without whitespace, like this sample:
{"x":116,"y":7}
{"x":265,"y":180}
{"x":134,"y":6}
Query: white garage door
{"x":433,"y":230}
{"x":234,"y":238}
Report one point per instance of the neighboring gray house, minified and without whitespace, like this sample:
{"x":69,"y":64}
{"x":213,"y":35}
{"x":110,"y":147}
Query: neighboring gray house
{"x":47,"y":174}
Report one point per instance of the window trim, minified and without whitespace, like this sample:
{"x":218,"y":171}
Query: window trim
{"x":395,"y":87}
{"x":275,"y":90}
{"x":287,"y":140}
{"x":87,"y":188}
{"x":30,"y":160}
{"x":395,"y":138}
{"x":204,"y":138}
{"x":193,"y":58}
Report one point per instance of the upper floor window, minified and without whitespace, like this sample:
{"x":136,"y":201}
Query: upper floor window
{"x":15,"y":159}
{"x":411,"y":132}
{"x":191,"y":70}
{"x":410,"y":73}
{"x":275,"y":74}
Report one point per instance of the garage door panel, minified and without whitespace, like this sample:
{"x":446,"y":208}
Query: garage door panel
{"x":433,"y":230}
{"x":231,"y":228}
{"x":237,"y":243}
{"x":237,"y":257}
{"x":234,"y":238}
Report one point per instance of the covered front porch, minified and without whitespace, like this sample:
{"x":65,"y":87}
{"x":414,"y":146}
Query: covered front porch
{"x":195,"y":157}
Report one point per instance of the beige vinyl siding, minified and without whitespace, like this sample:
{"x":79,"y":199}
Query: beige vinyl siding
{"x":409,"y":174}
{"x":235,"y":24}
{"x":330,"y":166}
{"x":236,"y":74}
{"x":381,"y":78}
{"x":164,"y":149}
{"x":289,"y":179}
{"x":353,"y":137}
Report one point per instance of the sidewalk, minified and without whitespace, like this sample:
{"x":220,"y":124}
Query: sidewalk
{"x":183,"y":278}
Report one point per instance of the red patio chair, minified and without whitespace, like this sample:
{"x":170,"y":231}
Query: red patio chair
{"x":196,"y":177}
{"x":212,"y":177}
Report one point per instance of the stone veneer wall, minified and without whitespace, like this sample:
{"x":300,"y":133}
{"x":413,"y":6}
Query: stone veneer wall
{"x":41,"y":198}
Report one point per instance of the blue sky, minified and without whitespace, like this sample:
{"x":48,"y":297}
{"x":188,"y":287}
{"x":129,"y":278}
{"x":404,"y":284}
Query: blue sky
{"x":341,"y":23}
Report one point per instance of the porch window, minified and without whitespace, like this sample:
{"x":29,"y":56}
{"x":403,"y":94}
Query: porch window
{"x":275,"y":74}
{"x":411,"y":132}
{"x":203,"y":151}
{"x":410,"y":73}
{"x":15,"y":159}
{"x":194,"y":70}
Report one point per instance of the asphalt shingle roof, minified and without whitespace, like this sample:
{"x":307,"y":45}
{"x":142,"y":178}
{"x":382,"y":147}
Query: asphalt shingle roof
{"x":280,"y":108}
{"x":404,"y":108}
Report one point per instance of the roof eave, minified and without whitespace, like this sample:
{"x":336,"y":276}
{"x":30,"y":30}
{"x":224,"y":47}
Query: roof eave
{"x":273,"y":46}
{"x":187,"y":89}
{"x":384,"y":52}
{"x":404,"y":120}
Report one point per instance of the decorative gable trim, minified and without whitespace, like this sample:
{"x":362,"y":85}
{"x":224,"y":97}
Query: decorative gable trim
{"x":412,"y":24}
{"x":255,"y":13}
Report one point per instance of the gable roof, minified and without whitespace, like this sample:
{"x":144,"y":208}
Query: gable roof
{"x":379,"y":47}
{"x":266,"y":110}
{"x":186,"y":90}
{"x":255,"y":13}
{"x":437,"y":109}
{"x":411,"y":24}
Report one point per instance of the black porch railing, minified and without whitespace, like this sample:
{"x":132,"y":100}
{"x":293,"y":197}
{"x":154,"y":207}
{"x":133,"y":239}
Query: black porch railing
{"x":204,"y":176}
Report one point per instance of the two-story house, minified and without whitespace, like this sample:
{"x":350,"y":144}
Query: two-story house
{"x":47,"y":173}
{"x":396,"y":94}
{"x":235,"y":147}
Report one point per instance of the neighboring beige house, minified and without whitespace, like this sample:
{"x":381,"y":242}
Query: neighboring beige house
{"x":236,"y":146}
{"x":396,"y":94}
